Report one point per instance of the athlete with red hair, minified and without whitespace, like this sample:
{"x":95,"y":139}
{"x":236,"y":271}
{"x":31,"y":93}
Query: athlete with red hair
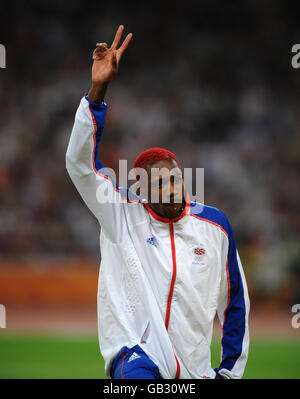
{"x":168,"y":266}
{"x":166,"y":185}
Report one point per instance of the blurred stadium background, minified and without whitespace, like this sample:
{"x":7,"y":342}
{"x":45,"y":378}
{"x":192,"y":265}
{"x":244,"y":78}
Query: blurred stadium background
{"x":213,"y":82}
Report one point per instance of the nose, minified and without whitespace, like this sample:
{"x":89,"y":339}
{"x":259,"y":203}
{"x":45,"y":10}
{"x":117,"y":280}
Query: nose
{"x":172,"y":189}
{"x":175,"y":192}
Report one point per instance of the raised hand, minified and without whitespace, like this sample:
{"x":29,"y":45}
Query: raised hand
{"x":106,"y":63}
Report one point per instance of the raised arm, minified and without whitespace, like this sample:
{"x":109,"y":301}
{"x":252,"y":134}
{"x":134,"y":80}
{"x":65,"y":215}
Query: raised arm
{"x":83,"y":165}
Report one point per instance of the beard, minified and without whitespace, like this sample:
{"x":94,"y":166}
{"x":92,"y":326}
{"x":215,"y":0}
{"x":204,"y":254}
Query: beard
{"x":168,"y":210}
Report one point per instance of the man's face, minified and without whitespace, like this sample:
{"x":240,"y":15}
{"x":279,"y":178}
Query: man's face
{"x":166,"y":188}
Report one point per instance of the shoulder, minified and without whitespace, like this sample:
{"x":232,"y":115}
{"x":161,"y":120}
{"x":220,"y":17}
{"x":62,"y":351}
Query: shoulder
{"x":212,"y":215}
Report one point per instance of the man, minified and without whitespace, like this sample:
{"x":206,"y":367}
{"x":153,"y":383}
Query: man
{"x":167,"y":268}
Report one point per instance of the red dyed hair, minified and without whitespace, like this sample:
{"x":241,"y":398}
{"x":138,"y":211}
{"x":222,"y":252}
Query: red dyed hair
{"x":153,"y":155}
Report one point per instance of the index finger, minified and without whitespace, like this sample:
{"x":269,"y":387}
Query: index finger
{"x":117,"y":37}
{"x":124,"y":45}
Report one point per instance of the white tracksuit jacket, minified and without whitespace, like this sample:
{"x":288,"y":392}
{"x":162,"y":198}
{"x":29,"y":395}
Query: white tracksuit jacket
{"x":161,"y":281}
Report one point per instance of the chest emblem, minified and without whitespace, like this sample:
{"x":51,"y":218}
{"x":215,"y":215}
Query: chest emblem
{"x":198,"y":254}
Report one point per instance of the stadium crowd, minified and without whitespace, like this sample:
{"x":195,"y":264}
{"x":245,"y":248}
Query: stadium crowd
{"x":215,"y":86}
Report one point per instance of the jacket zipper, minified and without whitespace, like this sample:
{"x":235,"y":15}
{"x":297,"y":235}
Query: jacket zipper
{"x":167,"y":319}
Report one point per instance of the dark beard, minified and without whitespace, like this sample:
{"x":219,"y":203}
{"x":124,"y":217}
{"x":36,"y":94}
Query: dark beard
{"x":164,"y":214}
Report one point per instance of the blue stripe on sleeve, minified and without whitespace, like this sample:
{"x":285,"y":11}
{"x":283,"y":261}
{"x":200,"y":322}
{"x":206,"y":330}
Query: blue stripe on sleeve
{"x":235,"y":314}
{"x":99,"y":112}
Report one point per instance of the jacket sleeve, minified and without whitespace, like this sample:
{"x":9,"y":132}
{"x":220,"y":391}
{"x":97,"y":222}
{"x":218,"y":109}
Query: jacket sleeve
{"x":233,"y":312}
{"x":88,"y":174}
